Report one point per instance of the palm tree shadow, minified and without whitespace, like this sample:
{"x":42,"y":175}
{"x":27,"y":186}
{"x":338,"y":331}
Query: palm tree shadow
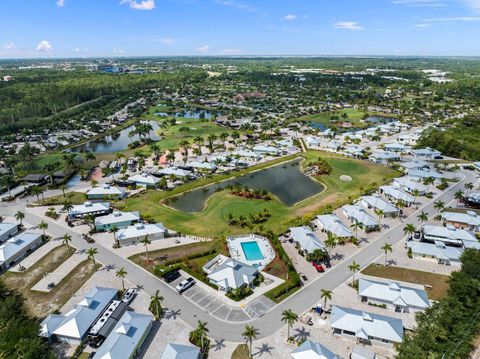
{"x":337,"y":256}
{"x":265,"y":348}
{"x":172,"y":314}
{"x":301,"y":333}
{"x":218,"y":344}
{"x":109,"y":267}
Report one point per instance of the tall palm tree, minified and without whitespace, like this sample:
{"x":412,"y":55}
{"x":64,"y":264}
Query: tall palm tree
{"x":114,"y":230}
{"x":387,"y":248}
{"x":354,"y":268}
{"x":91,"y":252}
{"x":289,"y":317}
{"x":458,"y":196}
{"x":423,"y":217}
{"x":250,"y":333}
{"x":43,"y":226}
{"x":66,"y":239}
{"x":36,"y":190}
{"x":20,"y":216}
{"x":146,"y":242}
{"x":379,"y":213}
{"x":356,"y":226}
{"x":468,"y":186}
{"x":6,"y":181}
{"x":415,"y":194}
{"x":439,"y":205}
{"x":67,"y":206}
{"x":409,"y":229}
{"x":325,"y":295}
{"x":156,"y":305}
{"x":330,"y":242}
{"x":201,"y":331}
{"x":63,"y":188}
{"x":121,"y":273}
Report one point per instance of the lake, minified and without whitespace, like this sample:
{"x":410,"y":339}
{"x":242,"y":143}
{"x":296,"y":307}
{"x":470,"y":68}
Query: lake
{"x":285,"y":181}
{"x":117,"y":141}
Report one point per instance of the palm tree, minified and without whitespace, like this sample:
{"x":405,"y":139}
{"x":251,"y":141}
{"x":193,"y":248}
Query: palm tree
{"x":36,"y":190}
{"x":409,"y":229}
{"x":93,"y":183}
{"x":201,"y":331}
{"x":330,"y":242}
{"x":354,"y":267}
{"x":66,"y":239}
{"x":250,"y":333}
{"x":43,"y":226}
{"x":91,"y":255}
{"x":156,"y":305}
{"x":458,"y":196}
{"x":423,"y":217}
{"x":63,"y":188}
{"x":387,"y":248}
{"x":20,"y":216}
{"x":89,"y":156}
{"x":439,"y":205}
{"x":6,"y":181}
{"x":289,"y":317}
{"x":325,"y":295}
{"x":114,"y":230}
{"x":67,"y":206}
{"x":121,"y":273}
{"x":146,"y":242}
{"x":415,"y":194}
{"x":379,"y":213}
{"x":356,"y":226}
{"x":469,"y":186}
{"x":455,"y":169}
{"x":170,"y":156}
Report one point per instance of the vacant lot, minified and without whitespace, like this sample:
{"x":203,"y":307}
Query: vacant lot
{"x":438,"y":282}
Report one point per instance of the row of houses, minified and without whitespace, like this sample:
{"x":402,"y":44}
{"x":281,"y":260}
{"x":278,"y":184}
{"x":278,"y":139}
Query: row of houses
{"x":14,"y":246}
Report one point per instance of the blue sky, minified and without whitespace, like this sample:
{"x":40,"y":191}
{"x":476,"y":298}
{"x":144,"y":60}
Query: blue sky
{"x":77,"y":28}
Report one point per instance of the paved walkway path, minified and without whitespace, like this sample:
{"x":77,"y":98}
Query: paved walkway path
{"x":270,"y":322}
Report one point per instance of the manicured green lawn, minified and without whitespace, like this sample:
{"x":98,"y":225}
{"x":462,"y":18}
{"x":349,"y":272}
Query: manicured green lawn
{"x":438,"y":282}
{"x":212,"y":220}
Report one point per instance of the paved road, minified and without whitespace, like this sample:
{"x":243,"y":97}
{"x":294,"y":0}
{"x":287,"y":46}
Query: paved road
{"x":270,"y":322}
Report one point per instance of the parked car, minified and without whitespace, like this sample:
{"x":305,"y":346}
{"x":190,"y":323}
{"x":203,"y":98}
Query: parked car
{"x":171,"y":276}
{"x":417,"y":235}
{"x":306,"y":319}
{"x":128,"y":295}
{"x":318,"y":266}
{"x":438,"y":157}
{"x":184,"y":285}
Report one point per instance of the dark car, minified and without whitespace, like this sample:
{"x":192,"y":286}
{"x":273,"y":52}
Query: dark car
{"x":171,"y":276}
{"x":318,"y":266}
{"x":438,"y":157}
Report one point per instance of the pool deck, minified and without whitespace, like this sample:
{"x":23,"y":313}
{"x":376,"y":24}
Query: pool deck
{"x":236,"y":250}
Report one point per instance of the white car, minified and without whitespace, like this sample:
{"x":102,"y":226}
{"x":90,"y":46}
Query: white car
{"x":128,"y":295}
{"x":184,"y":285}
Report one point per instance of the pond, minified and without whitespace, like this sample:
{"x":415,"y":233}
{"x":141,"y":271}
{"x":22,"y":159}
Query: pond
{"x":285,"y":181}
{"x":380,"y":119}
{"x":117,"y":141}
{"x":198,"y":113}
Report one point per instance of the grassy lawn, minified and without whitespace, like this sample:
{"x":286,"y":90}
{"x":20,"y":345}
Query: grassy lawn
{"x":41,"y":303}
{"x":438,"y":282}
{"x":241,"y":352}
{"x":212,"y":220}
{"x":72,"y":197}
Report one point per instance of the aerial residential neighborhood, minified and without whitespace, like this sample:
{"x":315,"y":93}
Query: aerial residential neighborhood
{"x":239,"y":180}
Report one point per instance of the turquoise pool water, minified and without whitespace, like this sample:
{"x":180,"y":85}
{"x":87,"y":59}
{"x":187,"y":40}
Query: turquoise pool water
{"x":252,"y":251}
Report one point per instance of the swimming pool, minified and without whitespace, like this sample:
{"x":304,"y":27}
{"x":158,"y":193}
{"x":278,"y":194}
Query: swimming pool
{"x":252,"y":251}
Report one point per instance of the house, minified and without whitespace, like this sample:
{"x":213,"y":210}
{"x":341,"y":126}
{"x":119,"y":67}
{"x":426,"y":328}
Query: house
{"x":135,"y":233}
{"x":312,"y":350}
{"x":15,"y":248}
{"x":106,"y":192}
{"x":448,"y":235}
{"x":438,"y":250}
{"x":414,"y":165}
{"x":35,"y":178}
{"x":227,"y":273}
{"x":379,"y":204}
{"x":422,"y":174}
{"x":395,"y":296}
{"x":384,"y":157}
{"x":89,"y":208}
{"x":367,"y":328}
{"x":469,"y":220}
{"x":330,"y":223}
{"x":311,"y":141}
{"x":425,"y":153}
{"x":180,"y":351}
{"x":472,"y":200}
{"x":7,"y":230}
{"x":202,"y":166}
{"x":395,"y":194}
{"x":144,"y":180}
{"x":116,"y":219}
{"x":266,"y":150}
{"x":73,"y":327}
{"x":409,"y":185}
{"x":395,"y":147}
{"x":356,"y":213}
{"x":306,"y":239}
{"x":174,"y":171}
{"x":126,"y":337}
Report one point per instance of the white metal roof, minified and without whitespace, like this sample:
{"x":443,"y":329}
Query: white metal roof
{"x":14,"y":245}
{"x":448,"y":234}
{"x":331,"y":223}
{"x":117,"y":217}
{"x":6,"y":229}
{"x":140,"y":230}
{"x":313,"y":350}
{"x":106,"y":190}
{"x":359,"y":214}
{"x":391,"y":292}
{"x":307,"y":239}
{"x":180,"y":351}
{"x":438,"y":250}
{"x":144,"y":178}
{"x":397,"y":194}
{"x":365,"y":324}
{"x":471,"y":218}
{"x":89,"y":207}
{"x":233,"y":274}
{"x":379,"y":203}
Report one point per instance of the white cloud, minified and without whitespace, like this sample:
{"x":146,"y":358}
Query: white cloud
{"x":118,"y":51}
{"x":77,"y":50}
{"x":235,"y":5}
{"x":9,"y":46}
{"x":419,"y":3}
{"x":140,"y":4}
{"x":60,"y":3}
{"x":290,"y":17}
{"x":166,"y":41}
{"x":473,"y":4}
{"x":454,"y":19}
{"x":204,"y":49}
{"x":44,"y":45}
{"x":347,"y":25}
{"x":423,"y":26}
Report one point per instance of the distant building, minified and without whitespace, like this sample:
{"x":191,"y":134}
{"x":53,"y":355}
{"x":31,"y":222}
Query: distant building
{"x":89,"y":208}
{"x":359,"y":214}
{"x":330,"y":223}
{"x":144,"y":180}
{"x":397,"y":195}
{"x":448,"y":235}
{"x":116,"y":219}
{"x":306,"y":239}
{"x":106,"y":192}
{"x":379,"y":204}
{"x":443,"y":254}
{"x":469,"y":220}
{"x":135,"y":233}
{"x":7,"y":78}
{"x":7,"y":230}
{"x":16,"y":248}
{"x":228,"y":274}
{"x":425,"y":153}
